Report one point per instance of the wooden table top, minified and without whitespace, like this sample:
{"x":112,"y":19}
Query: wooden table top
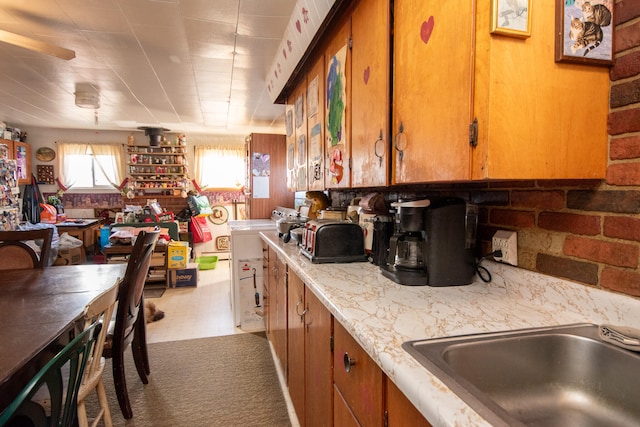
{"x":38,"y":309}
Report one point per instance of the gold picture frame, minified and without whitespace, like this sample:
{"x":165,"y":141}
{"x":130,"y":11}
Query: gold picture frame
{"x":511,"y":18}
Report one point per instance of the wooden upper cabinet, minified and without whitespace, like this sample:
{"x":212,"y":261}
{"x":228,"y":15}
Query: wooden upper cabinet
{"x":21,"y":153}
{"x":337,"y":108}
{"x":431,"y":90}
{"x":315,"y":126}
{"x":291,"y":145}
{"x":299,"y":102}
{"x":532,"y":119}
{"x":370,"y":93}
{"x":536,"y":118}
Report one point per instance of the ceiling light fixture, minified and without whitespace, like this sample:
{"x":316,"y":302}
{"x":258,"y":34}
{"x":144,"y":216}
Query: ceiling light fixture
{"x":87,"y":98}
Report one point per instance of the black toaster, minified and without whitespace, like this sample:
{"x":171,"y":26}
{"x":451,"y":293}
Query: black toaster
{"x":325,"y":241}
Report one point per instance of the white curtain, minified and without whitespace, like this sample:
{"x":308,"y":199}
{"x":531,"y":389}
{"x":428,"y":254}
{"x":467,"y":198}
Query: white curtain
{"x":114,"y":172}
{"x":220,"y":166}
{"x":66,"y":177}
{"x":111,"y":153}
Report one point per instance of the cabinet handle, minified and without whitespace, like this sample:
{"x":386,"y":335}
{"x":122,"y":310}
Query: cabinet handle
{"x":375,"y":149}
{"x":303,"y":312}
{"x":400,"y":140}
{"x":348,"y":362}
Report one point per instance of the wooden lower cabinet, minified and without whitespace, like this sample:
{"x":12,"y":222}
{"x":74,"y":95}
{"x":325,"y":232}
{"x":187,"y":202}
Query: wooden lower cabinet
{"x":358,"y":379}
{"x":309,"y":357}
{"x":332,"y":381}
{"x":400,"y":411}
{"x":276,"y":307}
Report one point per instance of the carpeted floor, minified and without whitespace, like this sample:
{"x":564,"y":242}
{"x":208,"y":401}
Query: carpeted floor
{"x":220,"y":381}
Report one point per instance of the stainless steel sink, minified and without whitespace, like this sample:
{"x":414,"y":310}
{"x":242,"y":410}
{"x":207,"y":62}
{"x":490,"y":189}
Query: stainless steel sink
{"x":557,"y":376}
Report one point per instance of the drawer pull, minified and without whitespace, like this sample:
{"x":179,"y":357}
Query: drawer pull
{"x":348,"y":362}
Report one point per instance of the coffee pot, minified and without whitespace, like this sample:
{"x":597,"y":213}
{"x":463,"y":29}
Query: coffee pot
{"x":432,"y":243}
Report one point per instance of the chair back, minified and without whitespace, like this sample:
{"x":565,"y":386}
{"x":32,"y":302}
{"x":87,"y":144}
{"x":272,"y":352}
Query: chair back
{"x":64,"y":397}
{"x":16,"y":254}
{"x":130,"y":296}
{"x":99,"y":310}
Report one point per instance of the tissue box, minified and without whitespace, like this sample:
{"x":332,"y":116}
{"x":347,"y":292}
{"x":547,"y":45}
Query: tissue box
{"x":177,"y":254}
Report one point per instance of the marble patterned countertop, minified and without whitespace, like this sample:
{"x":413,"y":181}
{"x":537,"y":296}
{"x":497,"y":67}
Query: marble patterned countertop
{"x":381,"y":315}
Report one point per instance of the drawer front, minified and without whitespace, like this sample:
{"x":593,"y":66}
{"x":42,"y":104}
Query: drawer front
{"x":358,"y":378}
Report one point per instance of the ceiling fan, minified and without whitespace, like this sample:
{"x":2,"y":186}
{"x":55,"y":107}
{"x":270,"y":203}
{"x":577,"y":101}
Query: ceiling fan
{"x":36,"y":45}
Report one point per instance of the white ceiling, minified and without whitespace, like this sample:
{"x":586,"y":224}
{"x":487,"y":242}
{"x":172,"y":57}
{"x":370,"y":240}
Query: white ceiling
{"x":192,"y":66}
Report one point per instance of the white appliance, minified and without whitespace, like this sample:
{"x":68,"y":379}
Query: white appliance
{"x":250,"y":294}
{"x":246,"y":254}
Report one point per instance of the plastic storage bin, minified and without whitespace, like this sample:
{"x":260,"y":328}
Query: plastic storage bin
{"x":207,"y":262}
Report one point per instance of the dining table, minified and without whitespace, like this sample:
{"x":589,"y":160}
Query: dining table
{"x":41,"y":310}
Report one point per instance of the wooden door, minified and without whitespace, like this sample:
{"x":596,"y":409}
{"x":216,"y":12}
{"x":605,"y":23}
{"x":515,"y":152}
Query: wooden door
{"x":370,"y":92}
{"x":296,"y":345}
{"x":275,"y":146}
{"x":318,"y":363}
{"x":432,"y":90}
{"x":315,"y":126}
{"x":338,"y":109}
{"x":400,"y":411}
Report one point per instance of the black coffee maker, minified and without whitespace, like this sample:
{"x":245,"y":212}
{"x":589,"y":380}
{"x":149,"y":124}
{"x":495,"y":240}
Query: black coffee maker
{"x":433,"y":243}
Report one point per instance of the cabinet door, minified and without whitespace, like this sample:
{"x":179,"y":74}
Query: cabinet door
{"x":536,"y":118}
{"x":358,"y":378}
{"x":338,"y":109}
{"x":342,"y":415}
{"x":266,"y":297}
{"x":280,"y":315}
{"x":400,"y":411}
{"x":432,"y":90}
{"x":22,"y":156}
{"x":318,"y":362}
{"x":370,"y":81}
{"x":300,"y":125}
{"x":315,"y":126}
{"x":291,"y":145}
{"x":295,"y":341}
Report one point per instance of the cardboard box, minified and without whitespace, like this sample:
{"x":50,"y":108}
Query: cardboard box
{"x":177,"y":254}
{"x":183,"y":277}
{"x":71,"y":256}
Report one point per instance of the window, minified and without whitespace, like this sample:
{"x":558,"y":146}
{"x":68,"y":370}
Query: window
{"x":221,"y":166}
{"x":90,"y":165}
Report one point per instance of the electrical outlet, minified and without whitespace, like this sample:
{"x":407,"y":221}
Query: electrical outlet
{"x":507,"y":242}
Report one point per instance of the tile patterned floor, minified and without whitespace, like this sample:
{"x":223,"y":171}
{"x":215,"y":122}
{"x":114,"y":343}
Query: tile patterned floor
{"x":203,"y":311}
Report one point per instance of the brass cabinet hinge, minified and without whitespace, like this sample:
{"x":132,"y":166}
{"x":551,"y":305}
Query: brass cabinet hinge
{"x":473,"y":133}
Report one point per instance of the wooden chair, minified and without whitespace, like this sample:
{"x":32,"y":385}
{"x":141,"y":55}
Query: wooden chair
{"x":64,"y":396}
{"x":130,"y":326}
{"x":99,"y":310}
{"x":16,"y":254}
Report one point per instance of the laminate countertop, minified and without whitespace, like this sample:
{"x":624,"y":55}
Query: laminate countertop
{"x":381,"y":314}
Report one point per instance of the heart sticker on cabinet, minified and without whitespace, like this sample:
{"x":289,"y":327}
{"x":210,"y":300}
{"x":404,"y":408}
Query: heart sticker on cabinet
{"x":426,"y":29}
{"x":365,"y":77}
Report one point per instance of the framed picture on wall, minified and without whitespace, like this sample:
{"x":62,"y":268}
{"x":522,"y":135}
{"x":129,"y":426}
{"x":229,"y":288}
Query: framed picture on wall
{"x":511,"y":17}
{"x":584,"y":31}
